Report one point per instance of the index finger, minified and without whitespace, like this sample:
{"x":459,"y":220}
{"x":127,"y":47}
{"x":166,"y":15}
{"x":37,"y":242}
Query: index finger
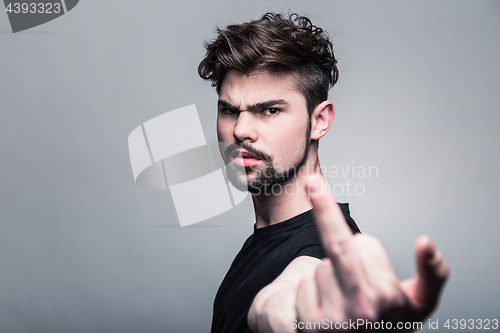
{"x":335,"y":234}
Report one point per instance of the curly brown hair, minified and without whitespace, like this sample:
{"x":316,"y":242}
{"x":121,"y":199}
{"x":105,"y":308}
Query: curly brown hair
{"x":279,"y":45}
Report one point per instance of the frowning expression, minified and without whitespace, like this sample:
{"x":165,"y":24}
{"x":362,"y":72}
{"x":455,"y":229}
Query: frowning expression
{"x":264,"y":120}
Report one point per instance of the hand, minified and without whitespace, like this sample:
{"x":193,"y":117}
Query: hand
{"x":356,"y":280}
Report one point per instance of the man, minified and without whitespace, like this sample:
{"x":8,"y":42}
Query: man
{"x":302,"y":266}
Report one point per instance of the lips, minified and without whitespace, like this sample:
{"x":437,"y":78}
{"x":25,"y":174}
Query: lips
{"x":244,"y":158}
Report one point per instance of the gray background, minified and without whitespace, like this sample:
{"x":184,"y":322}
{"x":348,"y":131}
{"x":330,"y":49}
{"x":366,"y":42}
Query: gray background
{"x":83,"y":249}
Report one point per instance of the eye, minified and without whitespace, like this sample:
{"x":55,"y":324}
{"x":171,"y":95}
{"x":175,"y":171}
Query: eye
{"x":271,"y":111}
{"x":229,"y":111}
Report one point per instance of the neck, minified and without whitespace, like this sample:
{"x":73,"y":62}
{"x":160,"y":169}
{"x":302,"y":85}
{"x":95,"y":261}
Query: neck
{"x":287,"y":201}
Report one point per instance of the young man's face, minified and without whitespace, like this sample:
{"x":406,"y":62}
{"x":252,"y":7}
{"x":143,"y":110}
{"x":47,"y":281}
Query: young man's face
{"x":264,"y":120}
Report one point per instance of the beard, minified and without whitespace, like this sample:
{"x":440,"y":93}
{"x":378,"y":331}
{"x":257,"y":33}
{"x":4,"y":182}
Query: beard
{"x":262,"y":180}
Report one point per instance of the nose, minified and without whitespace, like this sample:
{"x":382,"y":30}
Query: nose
{"x":244,"y":129}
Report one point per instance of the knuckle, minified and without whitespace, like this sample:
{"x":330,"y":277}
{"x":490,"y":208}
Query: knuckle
{"x":390,"y":288}
{"x":364,"y":305}
{"x":310,"y":317}
{"x":365,"y":310}
{"x":399,"y":301}
{"x":392,"y":298}
{"x":315,"y":316}
{"x":353,"y":290}
{"x":325,"y":268}
{"x":340,"y":248}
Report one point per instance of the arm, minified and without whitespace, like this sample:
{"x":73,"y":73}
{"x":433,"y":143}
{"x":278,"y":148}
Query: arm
{"x":274,"y":306}
{"x":357,"y":281}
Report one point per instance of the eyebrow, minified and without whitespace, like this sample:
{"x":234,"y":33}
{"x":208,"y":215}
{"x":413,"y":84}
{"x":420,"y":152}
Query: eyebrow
{"x":256,"y":106}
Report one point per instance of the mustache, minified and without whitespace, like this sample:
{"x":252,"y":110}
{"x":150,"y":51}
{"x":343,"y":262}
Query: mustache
{"x":254,"y":151}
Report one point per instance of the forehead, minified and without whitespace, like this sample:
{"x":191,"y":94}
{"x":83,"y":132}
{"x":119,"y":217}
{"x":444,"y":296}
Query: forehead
{"x":248,"y":89}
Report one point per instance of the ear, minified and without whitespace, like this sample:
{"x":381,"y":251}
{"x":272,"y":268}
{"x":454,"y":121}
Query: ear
{"x":321,"y":119}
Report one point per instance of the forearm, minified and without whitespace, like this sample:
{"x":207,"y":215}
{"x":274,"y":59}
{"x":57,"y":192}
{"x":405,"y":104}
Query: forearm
{"x":273,"y":308}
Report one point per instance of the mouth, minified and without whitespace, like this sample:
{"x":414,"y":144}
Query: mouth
{"x":243,"y":158}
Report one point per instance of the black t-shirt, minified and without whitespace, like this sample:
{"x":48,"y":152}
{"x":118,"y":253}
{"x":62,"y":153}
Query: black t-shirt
{"x":263,"y":257}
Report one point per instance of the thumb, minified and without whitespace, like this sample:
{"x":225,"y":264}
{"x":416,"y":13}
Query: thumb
{"x":432,"y":272}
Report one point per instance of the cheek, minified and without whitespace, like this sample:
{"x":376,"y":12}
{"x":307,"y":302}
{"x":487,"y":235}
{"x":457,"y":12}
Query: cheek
{"x":224,"y":131}
{"x":289,"y":144}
